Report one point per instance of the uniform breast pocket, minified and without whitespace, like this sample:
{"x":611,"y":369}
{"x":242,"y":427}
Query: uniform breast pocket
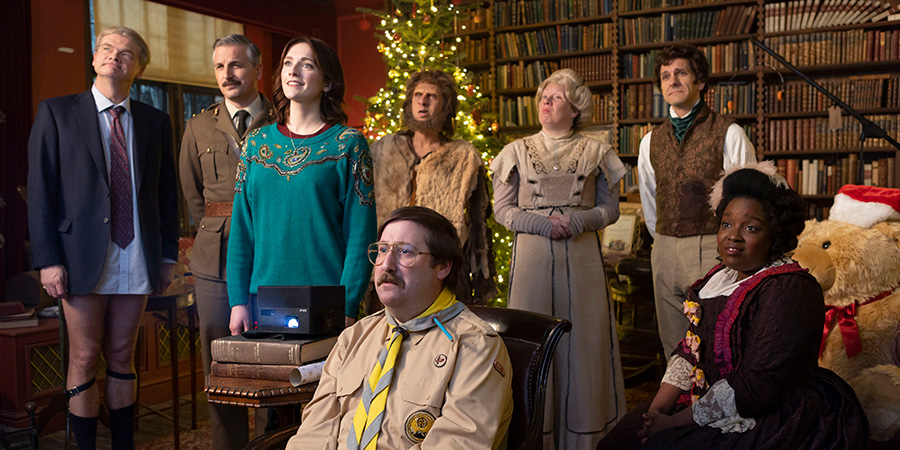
{"x":349,"y":381}
{"x":214,"y":160}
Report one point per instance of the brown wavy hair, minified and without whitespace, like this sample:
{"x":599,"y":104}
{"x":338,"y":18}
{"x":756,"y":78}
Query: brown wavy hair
{"x":332,"y":102}
{"x":695,"y":58}
{"x":449,"y":101}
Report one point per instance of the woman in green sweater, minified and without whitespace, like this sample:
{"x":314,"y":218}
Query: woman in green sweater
{"x":304,"y":211}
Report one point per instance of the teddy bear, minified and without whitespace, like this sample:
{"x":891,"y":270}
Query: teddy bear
{"x":855,"y":256}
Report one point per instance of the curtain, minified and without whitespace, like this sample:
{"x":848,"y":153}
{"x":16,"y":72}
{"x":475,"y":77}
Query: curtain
{"x":180,"y":41}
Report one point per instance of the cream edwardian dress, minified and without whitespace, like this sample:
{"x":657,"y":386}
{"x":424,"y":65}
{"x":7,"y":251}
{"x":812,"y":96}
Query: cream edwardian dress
{"x":534,"y":178}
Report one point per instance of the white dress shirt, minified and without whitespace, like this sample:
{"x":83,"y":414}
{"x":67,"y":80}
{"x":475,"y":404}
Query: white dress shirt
{"x":125,"y":269}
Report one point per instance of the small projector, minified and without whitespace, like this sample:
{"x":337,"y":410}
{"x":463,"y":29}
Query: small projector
{"x":300,"y":309}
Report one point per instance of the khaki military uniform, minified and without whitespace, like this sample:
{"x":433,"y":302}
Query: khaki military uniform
{"x":210,"y":151}
{"x":445,"y":394}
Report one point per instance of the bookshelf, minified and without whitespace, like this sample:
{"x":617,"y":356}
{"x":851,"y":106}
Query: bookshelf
{"x":851,"y":47}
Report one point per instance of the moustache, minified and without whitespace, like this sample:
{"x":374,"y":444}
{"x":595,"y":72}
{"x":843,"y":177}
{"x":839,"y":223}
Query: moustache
{"x":388,"y":277}
{"x":231,"y":83}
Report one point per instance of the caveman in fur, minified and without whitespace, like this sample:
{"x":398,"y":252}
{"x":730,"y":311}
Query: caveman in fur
{"x":855,"y":256}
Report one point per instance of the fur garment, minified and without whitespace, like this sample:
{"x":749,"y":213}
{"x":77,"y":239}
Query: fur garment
{"x":443,"y":180}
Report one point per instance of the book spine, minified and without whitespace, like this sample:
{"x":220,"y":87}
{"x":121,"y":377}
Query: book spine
{"x":262,"y":371}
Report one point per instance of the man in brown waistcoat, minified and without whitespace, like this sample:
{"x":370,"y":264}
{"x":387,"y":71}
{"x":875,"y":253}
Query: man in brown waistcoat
{"x":678,"y":163}
{"x":425,"y":166}
{"x":210,"y":151}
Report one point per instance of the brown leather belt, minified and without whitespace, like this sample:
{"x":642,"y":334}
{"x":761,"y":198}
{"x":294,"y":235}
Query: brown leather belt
{"x":218,"y":209}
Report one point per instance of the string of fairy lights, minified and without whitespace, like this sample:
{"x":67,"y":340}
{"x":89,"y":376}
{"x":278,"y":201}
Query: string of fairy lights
{"x":414,"y":37}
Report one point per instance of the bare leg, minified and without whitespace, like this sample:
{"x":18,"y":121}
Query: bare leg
{"x":122,"y":319}
{"x":85,"y":329}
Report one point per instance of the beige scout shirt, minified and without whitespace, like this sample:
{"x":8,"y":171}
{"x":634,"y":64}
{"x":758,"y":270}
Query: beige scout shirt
{"x":466,"y":385}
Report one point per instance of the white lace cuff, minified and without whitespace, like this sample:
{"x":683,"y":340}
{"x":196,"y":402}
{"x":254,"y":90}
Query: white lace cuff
{"x":678,"y":373}
{"x":718,"y":410}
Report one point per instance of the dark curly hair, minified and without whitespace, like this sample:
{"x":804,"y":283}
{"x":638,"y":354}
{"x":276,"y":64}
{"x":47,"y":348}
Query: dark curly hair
{"x":332,"y":109}
{"x":695,"y":58}
{"x":784,"y":208}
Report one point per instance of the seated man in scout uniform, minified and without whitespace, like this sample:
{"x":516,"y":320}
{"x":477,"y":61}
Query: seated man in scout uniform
{"x":424,"y":373}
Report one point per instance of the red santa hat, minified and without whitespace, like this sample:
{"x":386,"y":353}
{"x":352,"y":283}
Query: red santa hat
{"x":865,"y":206}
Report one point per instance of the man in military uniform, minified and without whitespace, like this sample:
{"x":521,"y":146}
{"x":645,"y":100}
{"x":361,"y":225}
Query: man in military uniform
{"x":210,"y":151}
{"x":425,"y":372}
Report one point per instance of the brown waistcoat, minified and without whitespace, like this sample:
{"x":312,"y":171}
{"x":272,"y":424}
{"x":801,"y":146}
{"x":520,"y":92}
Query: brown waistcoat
{"x":685,"y":174}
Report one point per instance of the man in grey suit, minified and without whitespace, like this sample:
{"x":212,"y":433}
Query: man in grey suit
{"x":102,"y":215}
{"x":210,"y":152}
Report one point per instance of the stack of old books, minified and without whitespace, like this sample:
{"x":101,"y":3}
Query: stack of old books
{"x":13,"y":314}
{"x":270,"y":358}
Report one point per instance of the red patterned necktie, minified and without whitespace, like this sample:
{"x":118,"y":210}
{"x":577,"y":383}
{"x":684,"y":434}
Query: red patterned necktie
{"x":120,"y":182}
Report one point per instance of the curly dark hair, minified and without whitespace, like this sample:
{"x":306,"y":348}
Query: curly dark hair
{"x":332,"y":109}
{"x":449,"y":100}
{"x":697,"y":60}
{"x":784,"y":208}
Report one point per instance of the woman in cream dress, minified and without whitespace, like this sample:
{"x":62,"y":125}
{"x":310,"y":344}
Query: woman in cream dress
{"x":555,"y":189}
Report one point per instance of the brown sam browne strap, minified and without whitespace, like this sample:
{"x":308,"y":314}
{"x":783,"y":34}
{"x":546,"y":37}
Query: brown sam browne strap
{"x":218,"y":209}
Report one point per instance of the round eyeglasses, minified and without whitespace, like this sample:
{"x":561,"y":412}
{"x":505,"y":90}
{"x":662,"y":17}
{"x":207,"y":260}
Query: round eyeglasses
{"x":404,"y":253}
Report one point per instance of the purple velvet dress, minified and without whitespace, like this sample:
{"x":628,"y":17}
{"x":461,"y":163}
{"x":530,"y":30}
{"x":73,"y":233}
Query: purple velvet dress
{"x":764,"y":340}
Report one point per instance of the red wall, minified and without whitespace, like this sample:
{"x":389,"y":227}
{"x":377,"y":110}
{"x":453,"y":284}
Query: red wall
{"x":55,"y":24}
{"x":364,"y":70}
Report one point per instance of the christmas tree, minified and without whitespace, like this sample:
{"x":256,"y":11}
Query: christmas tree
{"x":414,"y":36}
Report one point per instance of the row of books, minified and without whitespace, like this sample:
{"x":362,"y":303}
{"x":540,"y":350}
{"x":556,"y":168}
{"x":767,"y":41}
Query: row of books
{"x":858,"y":91}
{"x":518,"y":111}
{"x":817,"y":134}
{"x":603,"y":107}
{"x":835,"y":47}
{"x":558,"y":39}
{"x":529,"y":12}
{"x":593,"y":68}
{"x":636,"y":5}
{"x":726,"y":57}
{"x":807,"y":14}
{"x":471,"y":20}
{"x":521,"y":75}
{"x":474,"y":49}
{"x":733,"y":20}
{"x":825,"y":176}
{"x":630,"y":137}
{"x":732,"y":98}
{"x":641,"y":101}
{"x":630,"y":180}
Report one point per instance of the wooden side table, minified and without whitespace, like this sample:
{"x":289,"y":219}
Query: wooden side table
{"x":255,"y":393}
{"x":170,"y":302}
{"x":30,"y":361}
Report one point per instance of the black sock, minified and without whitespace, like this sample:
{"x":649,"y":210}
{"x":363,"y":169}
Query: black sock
{"x":121,"y":427}
{"x":85,"y":430}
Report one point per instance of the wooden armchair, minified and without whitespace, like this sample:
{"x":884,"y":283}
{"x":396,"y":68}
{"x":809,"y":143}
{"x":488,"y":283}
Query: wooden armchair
{"x":531,"y":339}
